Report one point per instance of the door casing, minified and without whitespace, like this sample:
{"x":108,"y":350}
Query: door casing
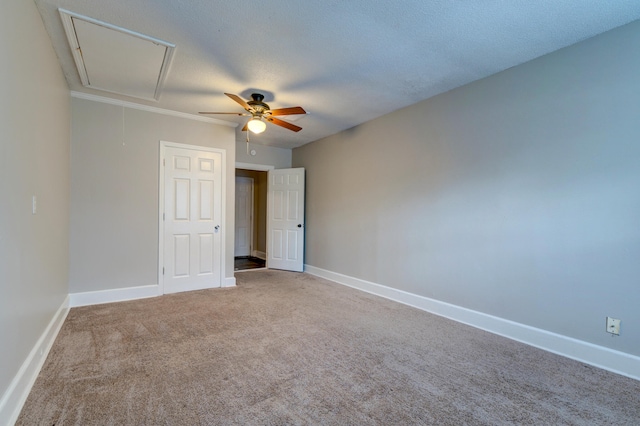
{"x":257,"y":168}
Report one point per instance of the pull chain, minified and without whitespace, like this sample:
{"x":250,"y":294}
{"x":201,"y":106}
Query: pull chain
{"x":123,"y":125}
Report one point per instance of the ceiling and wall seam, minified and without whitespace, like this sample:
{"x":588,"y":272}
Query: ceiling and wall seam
{"x":142,"y":107}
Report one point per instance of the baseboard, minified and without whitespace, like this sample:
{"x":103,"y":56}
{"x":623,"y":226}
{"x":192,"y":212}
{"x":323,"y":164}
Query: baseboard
{"x":18,"y":391}
{"x":124,"y":294}
{"x":114,"y":295}
{"x":259,"y":254}
{"x":588,"y":353}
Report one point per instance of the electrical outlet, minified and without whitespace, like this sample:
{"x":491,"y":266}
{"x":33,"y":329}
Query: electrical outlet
{"x":613,"y":326}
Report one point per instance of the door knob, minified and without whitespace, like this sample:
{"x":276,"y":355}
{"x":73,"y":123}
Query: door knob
{"x":299,"y":225}
{"x":217,"y":227}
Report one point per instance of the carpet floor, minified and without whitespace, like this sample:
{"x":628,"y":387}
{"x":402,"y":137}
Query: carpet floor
{"x":289,"y":348}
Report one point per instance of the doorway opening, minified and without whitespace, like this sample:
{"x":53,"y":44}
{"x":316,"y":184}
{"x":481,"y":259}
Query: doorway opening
{"x":251,"y":219}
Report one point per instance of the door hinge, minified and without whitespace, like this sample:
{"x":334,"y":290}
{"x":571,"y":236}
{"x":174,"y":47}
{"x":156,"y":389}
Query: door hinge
{"x":162,"y":216}
{"x":163,"y":270}
{"x":164,"y":162}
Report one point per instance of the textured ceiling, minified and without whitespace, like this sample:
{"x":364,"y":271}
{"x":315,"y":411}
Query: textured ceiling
{"x":345,"y":62}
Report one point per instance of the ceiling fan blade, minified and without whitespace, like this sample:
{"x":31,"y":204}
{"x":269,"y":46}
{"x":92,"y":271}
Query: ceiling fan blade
{"x":239,"y":100}
{"x":288,"y":111}
{"x":226,"y":113}
{"x":284,"y":124}
{"x":246,"y":127}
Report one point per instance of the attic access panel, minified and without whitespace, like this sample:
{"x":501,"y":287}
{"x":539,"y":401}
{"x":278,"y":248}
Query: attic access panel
{"x":117,"y":60}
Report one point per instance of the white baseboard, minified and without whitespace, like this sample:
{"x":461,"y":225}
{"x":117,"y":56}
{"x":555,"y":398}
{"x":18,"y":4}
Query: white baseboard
{"x":259,"y":254}
{"x":18,"y":391}
{"x":113,"y":295}
{"x":588,"y":353}
{"x":124,"y":294}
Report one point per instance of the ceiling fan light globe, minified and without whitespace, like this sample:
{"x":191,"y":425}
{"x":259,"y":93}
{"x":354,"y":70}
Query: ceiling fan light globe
{"x":256,"y":125}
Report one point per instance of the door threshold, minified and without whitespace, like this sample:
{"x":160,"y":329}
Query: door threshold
{"x":251,"y":269}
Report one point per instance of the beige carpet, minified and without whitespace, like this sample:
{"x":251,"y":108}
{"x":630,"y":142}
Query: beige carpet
{"x":288,"y":348}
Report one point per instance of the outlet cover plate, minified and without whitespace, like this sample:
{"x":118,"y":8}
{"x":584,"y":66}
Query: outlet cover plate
{"x":613,"y":326}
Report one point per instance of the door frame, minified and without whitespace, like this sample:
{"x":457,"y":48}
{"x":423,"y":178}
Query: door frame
{"x":258,"y":168}
{"x":161,"y":186}
{"x":251,"y":242}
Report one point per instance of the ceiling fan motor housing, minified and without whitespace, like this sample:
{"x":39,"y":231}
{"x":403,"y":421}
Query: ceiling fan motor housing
{"x":257,"y":104}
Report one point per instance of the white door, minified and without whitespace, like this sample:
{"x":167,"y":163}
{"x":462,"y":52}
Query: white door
{"x":285,"y":227}
{"x":244,"y":213}
{"x":192,"y":212}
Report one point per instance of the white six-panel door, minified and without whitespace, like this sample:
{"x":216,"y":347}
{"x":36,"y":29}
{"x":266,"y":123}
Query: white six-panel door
{"x":244,"y":212}
{"x":192,"y":219}
{"x":285,"y":227}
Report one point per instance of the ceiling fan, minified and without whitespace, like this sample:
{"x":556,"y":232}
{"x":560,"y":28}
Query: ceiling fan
{"x":261,"y":112}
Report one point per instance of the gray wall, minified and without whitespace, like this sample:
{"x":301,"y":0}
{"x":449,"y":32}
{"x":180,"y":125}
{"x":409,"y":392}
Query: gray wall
{"x":517,"y":195}
{"x":34,"y":160}
{"x":114,"y":191}
{"x":280,"y":158}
